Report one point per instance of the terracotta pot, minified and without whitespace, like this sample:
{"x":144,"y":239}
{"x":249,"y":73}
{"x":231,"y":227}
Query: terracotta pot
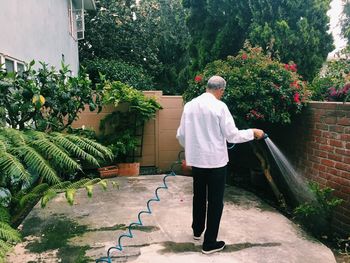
{"x":186,"y":170}
{"x":108,"y":171}
{"x":129,"y":169}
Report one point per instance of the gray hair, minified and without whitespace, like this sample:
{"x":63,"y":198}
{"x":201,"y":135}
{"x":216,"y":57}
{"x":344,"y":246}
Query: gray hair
{"x":216,"y":82}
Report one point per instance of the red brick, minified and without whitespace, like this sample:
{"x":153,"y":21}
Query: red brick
{"x":322,"y":126}
{"x":335,"y":157}
{"x":336,"y":143}
{"x":342,"y":151}
{"x":342,"y":166}
{"x":319,"y":167}
{"x":328,"y":162}
{"x":347,"y":146}
{"x":344,"y":121}
{"x":321,"y":140}
{"x":330,"y":135}
{"x":321,"y":154}
{"x":332,"y":171}
{"x":324,"y":175}
{"x":317,"y":132}
{"x":341,"y":181}
{"x":345,"y":174}
{"x":346,"y":190}
{"x":346,"y":159}
{"x":330,"y":120}
{"x":314,"y":159}
{"x":336,"y":128}
{"x":326,"y":148}
{"x":345,"y":137}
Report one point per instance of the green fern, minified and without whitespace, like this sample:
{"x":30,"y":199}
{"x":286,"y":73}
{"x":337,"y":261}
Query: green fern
{"x":59,"y":157}
{"x":4,"y":215}
{"x":17,"y":138}
{"x":7,"y":233}
{"x":72,"y":148}
{"x":12,"y":167}
{"x":91,"y":147}
{"x":37,"y":163}
{"x":48,"y":195}
{"x":4,"y":248}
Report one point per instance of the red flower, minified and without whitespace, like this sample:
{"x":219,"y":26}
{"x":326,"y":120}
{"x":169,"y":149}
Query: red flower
{"x":296,"y":97}
{"x":295,"y":84}
{"x":244,"y":56}
{"x":198,"y":78}
{"x":293,"y":67}
{"x":254,"y":114}
{"x":286,"y":66}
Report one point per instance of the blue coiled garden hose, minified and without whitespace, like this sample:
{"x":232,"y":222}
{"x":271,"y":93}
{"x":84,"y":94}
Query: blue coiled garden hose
{"x":148,"y":211}
{"x":138,"y":223}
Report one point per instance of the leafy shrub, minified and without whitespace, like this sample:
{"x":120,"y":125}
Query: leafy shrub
{"x":115,"y":70}
{"x":120,"y":128}
{"x":333,"y":82}
{"x":258,"y":88}
{"x":317,"y":216}
{"x":45,"y":99}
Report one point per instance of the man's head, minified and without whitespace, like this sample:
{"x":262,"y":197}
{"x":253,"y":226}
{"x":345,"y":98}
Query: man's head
{"x":216,"y":85}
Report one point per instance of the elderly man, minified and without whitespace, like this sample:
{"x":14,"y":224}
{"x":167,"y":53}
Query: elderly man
{"x":206,"y":125}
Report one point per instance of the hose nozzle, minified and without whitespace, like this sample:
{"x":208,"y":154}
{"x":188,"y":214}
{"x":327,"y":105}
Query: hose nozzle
{"x":265,"y":136}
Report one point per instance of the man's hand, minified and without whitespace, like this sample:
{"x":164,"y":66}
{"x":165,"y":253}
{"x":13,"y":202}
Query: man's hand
{"x":258,"y":134}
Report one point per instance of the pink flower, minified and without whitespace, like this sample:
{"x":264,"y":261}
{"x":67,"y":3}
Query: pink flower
{"x":286,"y":66}
{"x":244,"y":56}
{"x":198,"y":78}
{"x":297,"y":97}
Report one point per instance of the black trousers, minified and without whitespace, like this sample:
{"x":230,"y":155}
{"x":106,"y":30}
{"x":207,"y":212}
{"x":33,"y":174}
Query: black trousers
{"x":208,"y":187}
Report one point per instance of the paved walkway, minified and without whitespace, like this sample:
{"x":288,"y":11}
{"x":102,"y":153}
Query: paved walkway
{"x":253,"y":231}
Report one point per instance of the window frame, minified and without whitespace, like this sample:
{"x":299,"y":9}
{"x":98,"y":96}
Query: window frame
{"x":4,"y":57}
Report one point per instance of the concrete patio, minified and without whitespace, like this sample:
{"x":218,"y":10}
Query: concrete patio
{"x":253,"y":231}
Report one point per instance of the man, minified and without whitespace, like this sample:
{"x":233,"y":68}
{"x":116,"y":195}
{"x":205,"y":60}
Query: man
{"x":206,"y":125}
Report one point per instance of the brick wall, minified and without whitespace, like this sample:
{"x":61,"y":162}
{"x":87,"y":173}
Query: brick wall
{"x":318,"y":145}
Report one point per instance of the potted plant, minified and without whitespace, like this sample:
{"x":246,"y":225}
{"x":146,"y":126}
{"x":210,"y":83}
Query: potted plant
{"x":122,"y":130}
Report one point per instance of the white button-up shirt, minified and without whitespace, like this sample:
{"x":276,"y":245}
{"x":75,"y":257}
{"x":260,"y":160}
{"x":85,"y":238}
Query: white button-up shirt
{"x":206,"y":125}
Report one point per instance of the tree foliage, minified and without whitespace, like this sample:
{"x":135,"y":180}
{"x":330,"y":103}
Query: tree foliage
{"x":45,"y":99}
{"x":149,"y":37}
{"x":290,"y":30}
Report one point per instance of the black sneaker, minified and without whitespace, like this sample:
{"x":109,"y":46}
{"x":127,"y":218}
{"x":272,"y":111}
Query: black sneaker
{"x":214,"y":247}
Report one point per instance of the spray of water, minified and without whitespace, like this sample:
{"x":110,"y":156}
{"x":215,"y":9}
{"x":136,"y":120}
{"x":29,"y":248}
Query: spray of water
{"x":294,"y":181}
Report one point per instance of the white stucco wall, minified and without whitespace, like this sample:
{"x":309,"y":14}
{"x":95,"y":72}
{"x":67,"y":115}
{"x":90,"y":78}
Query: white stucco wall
{"x":39,"y":30}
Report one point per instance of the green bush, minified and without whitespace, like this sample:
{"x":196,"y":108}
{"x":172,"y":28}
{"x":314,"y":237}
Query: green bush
{"x":45,"y":99}
{"x":258,"y":87}
{"x":317,"y":216}
{"x":333,"y":82}
{"x":115,"y":70}
{"x":120,"y":128}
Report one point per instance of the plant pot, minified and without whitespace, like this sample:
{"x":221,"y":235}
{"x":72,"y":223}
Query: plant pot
{"x":108,"y":171}
{"x":128,"y":169}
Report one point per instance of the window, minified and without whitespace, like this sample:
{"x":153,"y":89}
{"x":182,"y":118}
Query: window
{"x":11,"y":64}
{"x":76,"y":21}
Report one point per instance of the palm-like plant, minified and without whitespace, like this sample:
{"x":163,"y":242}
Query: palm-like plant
{"x":31,"y":165}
